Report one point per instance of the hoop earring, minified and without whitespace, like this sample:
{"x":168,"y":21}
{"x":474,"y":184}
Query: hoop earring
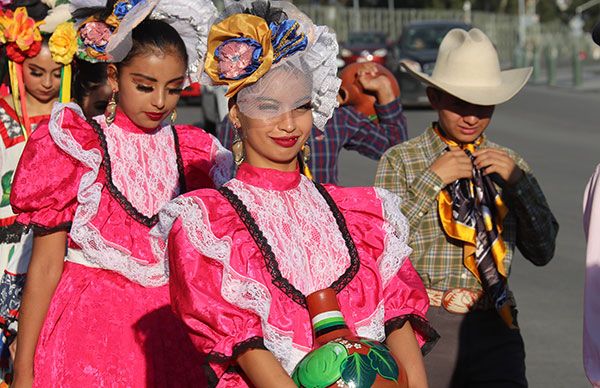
{"x":111,"y":109}
{"x":173,"y":116}
{"x":237,"y":148}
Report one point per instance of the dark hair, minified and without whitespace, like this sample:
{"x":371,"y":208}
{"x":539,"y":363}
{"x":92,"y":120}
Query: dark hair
{"x":88,"y":77}
{"x":158,"y":37}
{"x":35,"y":8}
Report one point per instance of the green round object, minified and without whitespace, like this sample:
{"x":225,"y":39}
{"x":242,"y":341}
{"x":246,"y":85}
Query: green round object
{"x":321,"y":367}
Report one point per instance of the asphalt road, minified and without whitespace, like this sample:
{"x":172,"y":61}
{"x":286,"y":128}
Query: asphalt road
{"x":557,"y":132}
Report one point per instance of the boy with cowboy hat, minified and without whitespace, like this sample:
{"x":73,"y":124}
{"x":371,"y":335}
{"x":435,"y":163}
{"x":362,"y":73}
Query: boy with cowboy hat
{"x":470,"y":202}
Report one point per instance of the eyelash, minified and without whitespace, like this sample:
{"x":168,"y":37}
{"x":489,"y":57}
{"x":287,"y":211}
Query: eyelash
{"x":35,"y":74}
{"x":144,"y":88}
{"x":149,"y":89}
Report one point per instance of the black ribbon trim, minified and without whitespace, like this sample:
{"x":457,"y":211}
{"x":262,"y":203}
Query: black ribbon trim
{"x":418,"y":324}
{"x":271,"y":263}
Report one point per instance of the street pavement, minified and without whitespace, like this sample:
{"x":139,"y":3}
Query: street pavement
{"x":556,"y":130}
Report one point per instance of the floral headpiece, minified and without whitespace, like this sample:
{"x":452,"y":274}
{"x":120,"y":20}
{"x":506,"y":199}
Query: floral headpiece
{"x":109,"y":39}
{"x":243,"y":47}
{"x":258,"y":46}
{"x":94,"y":34}
{"x":20,"y":34}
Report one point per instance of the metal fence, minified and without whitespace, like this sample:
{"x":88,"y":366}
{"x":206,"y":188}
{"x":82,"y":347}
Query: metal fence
{"x":502,"y":29}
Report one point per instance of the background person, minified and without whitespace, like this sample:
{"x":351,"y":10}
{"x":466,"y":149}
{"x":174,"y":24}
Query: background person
{"x":470,"y":203}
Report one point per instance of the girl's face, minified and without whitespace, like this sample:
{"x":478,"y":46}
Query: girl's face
{"x":41,"y":76}
{"x":149,"y":86}
{"x":275,"y":142}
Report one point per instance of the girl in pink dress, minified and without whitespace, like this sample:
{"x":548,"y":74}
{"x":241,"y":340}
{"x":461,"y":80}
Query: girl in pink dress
{"x":102,"y":317}
{"x":244,"y":258}
{"x":35,"y":68}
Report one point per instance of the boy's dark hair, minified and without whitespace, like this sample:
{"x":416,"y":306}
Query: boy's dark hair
{"x":88,"y":77}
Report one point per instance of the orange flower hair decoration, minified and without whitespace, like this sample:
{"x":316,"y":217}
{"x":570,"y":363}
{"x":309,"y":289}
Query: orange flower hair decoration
{"x":20,"y":34}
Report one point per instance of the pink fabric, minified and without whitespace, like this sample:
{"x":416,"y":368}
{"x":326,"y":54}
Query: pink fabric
{"x":103,"y":329}
{"x":200,"y":288}
{"x":591,"y":321}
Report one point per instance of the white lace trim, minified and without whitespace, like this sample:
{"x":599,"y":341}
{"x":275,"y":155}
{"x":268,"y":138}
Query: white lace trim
{"x":222,"y":170}
{"x":297,"y":223}
{"x":97,"y":250}
{"x":373,"y":327}
{"x":396,"y":228}
{"x":243,"y":292}
{"x":143,"y":166}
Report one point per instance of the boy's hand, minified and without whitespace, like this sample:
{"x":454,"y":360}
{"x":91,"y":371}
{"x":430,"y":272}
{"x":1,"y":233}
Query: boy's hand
{"x":491,"y":161}
{"x":373,"y":81}
{"x":453,"y":165}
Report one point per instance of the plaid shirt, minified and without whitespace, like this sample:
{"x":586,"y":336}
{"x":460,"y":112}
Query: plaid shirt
{"x":529,"y":224}
{"x":347,"y":129}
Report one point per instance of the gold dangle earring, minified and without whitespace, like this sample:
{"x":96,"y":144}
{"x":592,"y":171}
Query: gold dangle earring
{"x":306,"y":154}
{"x":305,"y":159}
{"x":111,"y":109}
{"x":174,"y":116}
{"x":237,"y":147}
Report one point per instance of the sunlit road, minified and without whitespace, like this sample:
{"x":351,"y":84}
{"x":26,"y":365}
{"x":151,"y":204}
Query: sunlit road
{"x":558,"y":133}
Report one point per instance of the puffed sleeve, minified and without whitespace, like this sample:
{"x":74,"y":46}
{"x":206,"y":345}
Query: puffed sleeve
{"x":405,"y":297}
{"x":198,"y":263}
{"x":44,"y":190}
{"x":206,"y":162}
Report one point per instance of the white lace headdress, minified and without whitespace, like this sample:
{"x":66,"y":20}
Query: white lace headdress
{"x":109,"y":40}
{"x":274,"y":59}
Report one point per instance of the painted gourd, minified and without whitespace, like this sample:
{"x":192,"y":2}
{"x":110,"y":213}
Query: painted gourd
{"x":342,"y":359}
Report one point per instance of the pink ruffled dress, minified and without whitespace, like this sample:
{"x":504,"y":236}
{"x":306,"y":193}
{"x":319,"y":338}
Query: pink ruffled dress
{"x":109,"y":322}
{"x":233,"y":298}
{"x":15,"y":241}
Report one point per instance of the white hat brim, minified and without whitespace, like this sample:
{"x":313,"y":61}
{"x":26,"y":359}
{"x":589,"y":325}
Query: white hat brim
{"x":512,"y":81}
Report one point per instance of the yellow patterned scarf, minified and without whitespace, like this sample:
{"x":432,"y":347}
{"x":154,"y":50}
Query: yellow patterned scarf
{"x":472,"y":211}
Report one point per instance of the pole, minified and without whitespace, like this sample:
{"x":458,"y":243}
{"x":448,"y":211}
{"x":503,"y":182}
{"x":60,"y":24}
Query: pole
{"x":356,"y":8}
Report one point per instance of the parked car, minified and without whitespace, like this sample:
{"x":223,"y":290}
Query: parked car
{"x":365,"y":46}
{"x":418,"y":45}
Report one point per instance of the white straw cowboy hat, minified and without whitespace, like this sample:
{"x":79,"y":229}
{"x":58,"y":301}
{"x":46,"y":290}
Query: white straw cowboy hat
{"x":467,"y":67}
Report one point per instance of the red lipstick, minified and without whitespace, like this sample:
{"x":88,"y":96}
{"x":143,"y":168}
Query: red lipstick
{"x":286,"y":142}
{"x":154,"y":116}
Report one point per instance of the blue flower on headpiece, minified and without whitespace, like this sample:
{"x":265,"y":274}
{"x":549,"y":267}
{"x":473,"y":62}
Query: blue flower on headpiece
{"x":123,"y":7}
{"x":287,"y":39}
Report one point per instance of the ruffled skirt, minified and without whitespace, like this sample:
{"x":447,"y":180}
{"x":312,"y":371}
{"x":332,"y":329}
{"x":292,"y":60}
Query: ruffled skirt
{"x":103,"y":330}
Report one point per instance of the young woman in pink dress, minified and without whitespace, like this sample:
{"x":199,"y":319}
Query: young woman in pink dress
{"x":32,"y":57}
{"x":244,"y":258}
{"x":101,"y":316}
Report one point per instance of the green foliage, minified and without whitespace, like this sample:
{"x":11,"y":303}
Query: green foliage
{"x":357,"y":369}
